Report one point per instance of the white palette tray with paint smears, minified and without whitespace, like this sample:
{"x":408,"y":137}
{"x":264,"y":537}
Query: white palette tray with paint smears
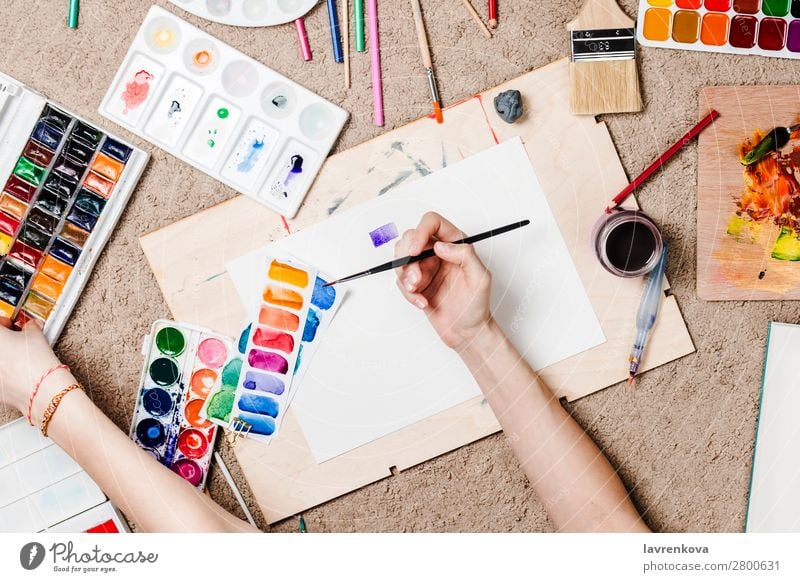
{"x":222,"y":112}
{"x":248,"y":12}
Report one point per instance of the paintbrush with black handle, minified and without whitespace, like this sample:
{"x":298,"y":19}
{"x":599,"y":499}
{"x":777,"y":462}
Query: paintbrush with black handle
{"x":772,"y":142}
{"x":427,"y":254}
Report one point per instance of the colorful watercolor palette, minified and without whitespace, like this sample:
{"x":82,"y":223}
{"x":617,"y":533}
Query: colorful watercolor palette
{"x":256,"y":404}
{"x":768,"y":28}
{"x":223,"y":112}
{"x":183,"y":365}
{"x":247,"y":12}
{"x":44,"y":490}
{"x":65,"y":185}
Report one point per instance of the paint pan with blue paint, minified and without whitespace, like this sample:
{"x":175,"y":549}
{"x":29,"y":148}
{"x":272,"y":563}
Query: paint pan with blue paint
{"x":183,"y":365}
{"x":298,"y":163}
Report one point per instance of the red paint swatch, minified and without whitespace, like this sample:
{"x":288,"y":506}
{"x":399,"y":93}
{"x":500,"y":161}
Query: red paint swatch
{"x":772,"y":34}
{"x":105,"y":527}
{"x":276,"y":340}
{"x":26,"y":254}
{"x":718,"y":5}
{"x":20,"y":189}
{"x":8,"y":224}
{"x":743,"y":31}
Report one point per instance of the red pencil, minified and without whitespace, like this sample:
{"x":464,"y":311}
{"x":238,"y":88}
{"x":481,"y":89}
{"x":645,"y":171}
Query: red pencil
{"x":492,"y":13}
{"x":680,"y":144}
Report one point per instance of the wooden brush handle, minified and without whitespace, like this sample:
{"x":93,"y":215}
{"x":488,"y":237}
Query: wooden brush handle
{"x":600,"y":14}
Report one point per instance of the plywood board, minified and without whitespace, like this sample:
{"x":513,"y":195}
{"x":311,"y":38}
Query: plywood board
{"x":576,"y":164}
{"x":735,"y":254}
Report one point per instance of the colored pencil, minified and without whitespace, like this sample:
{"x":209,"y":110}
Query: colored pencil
{"x":346,"y":41}
{"x":232,"y":484}
{"x":358,"y":19}
{"x":302,"y":37}
{"x":477,"y":18}
{"x":492,"y":13}
{"x":425,"y":49}
{"x":72,"y":14}
{"x":427,"y":254}
{"x":336,"y":39}
{"x":375,"y":56}
{"x":679,"y":145}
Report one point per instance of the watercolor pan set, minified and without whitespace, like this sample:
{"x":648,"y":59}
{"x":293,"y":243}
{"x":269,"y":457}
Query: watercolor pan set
{"x":223,"y":112}
{"x":42,"y":489}
{"x":247,"y":12}
{"x":183,"y":364}
{"x":65,"y":183}
{"x":769,"y":28}
{"x":270,"y":355}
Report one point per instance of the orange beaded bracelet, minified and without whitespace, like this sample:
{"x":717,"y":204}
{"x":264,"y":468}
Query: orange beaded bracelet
{"x":39,"y":385}
{"x":53,"y":406}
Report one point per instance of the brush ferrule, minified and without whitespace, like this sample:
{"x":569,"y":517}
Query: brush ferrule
{"x":606,"y":44}
{"x":432,"y":85}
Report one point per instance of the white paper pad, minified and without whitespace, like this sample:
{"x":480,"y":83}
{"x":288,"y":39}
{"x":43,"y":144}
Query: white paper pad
{"x":381,"y":367}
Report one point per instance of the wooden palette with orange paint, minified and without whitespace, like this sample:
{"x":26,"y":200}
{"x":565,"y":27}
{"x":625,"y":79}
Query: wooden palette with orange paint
{"x":768,"y":28}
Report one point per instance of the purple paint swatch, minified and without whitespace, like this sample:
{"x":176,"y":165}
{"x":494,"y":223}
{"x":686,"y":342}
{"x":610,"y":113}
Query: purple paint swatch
{"x":793,"y":42}
{"x":263,"y":383}
{"x":383,"y":234}
{"x":268,"y":361}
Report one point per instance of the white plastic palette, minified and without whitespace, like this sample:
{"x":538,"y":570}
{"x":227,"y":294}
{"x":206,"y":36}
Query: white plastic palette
{"x":247,"y":12}
{"x":223,"y":112}
{"x":43,"y":489}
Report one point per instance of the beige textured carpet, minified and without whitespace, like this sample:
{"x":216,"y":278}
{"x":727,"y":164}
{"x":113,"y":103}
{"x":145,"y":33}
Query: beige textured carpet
{"x":682,"y":439}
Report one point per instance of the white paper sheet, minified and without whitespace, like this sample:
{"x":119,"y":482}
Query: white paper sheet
{"x":381,"y":367}
{"x":774,"y":501}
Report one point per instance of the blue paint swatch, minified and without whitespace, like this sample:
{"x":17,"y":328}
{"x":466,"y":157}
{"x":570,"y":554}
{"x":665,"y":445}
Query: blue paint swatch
{"x":312,"y":324}
{"x":384,"y":234}
{"x":299,"y":358}
{"x":263,"y":425}
{"x":257,"y":404}
{"x":157,"y":401}
{"x":323,"y":297}
{"x":253,"y":153}
{"x":243,"y":339}
{"x":263,"y":383}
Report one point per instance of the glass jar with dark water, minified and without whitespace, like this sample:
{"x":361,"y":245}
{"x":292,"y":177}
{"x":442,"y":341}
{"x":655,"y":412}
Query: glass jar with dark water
{"x":627,"y":243}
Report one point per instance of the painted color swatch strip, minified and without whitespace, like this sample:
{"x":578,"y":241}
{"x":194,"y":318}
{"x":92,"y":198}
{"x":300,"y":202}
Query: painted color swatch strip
{"x":762,"y":27}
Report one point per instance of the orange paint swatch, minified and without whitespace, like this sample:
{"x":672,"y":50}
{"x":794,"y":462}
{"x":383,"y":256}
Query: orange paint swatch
{"x":47,"y":286}
{"x":98,"y":184}
{"x":12,"y":206}
{"x":192,"y":414}
{"x":107,"y":167}
{"x":278,"y":319}
{"x":56,"y":269}
{"x":657,"y":23}
{"x":202,"y":382}
{"x":6,"y":309}
{"x":5,"y":244}
{"x":287,"y":274}
{"x":283,"y":297}
{"x":715,"y":29}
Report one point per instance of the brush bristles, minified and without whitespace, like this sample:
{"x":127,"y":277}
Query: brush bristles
{"x":604,"y":87}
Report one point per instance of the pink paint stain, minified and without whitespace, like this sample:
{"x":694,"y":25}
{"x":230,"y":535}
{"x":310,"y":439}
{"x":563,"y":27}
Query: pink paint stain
{"x":212,"y":352}
{"x":136,"y":91}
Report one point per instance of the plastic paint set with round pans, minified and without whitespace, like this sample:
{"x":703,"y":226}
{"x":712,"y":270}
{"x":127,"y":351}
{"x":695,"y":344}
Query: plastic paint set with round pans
{"x":223,"y":112}
{"x":247,"y":12}
{"x":183,"y":363}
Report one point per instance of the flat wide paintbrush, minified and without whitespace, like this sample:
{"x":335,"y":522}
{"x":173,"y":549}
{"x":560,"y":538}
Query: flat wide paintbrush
{"x":603,"y":77}
{"x":427,"y":254}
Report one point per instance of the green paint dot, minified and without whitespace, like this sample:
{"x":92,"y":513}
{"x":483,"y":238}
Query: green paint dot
{"x":211,"y":143}
{"x":222,"y":113}
{"x":231,"y":372}
{"x":220,"y":405}
{"x":164,"y":372}
{"x":170,"y":341}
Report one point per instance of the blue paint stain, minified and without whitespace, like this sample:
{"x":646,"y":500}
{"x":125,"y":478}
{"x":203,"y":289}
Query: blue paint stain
{"x":262,"y":425}
{"x":323,"y":297}
{"x":299,"y":358}
{"x":263,"y":383}
{"x":312,"y":324}
{"x":251,"y":402}
{"x":384,"y":234}
{"x":252,"y":156}
{"x":243,"y":339}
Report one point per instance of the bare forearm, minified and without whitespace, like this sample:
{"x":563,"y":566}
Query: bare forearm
{"x":568,"y":472}
{"x":151,"y":495}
